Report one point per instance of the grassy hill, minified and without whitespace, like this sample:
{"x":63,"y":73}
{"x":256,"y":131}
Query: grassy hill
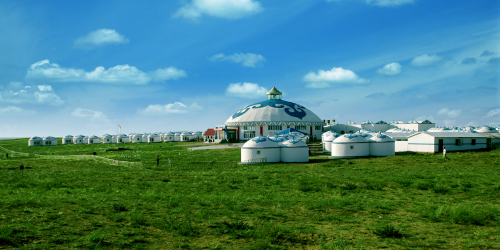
{"x":205,"y":199}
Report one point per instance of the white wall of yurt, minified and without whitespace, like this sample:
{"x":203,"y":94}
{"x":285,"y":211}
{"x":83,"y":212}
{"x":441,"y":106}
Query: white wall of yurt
{"x":154,"y":138}
{"x":35,"y":141}
{"x":382,"y":145}
{"x":137,"y":138}
{"x":349,"y":146}
{"x":67,"y":139}
{"x":294,"y":151}
{"x":107,"y":139}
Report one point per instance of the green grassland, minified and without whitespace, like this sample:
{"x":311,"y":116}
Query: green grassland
{"x":205,"y":199}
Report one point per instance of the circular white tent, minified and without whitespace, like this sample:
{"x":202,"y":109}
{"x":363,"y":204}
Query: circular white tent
{"x":137,"y":138}
{"x":382,"y":145}
{"x":154,"y":138}
{"x":169,"y":137}
{"x":94,"y":139}
{"x":294,"y":151}
{"x":107,"y":138}
{"x":122,"y":138}
{"x":67,"y":139}
{"x":260,"y":149}
{"x":349,"y":146}
{"x":35,"y":141}
{"x":78,"y":139}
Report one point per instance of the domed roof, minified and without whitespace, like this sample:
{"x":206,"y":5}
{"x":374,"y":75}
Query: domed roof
{"x":93,"y":137}
{"x":153,"y":135}
{"x":35,"y":138}
{"x":49,"y":138}
{"x":381,"y":138}
{"x":106,"y":136}
{"x":294,"y":144}
{"x":331,"y":137}
{"x":68,"y":137}
{"x":260,"y":142}
{"x":122,"y":136}
{"x":274,"y":112}
{"x":486,"y":129}
{"x":351,"y":138}
{"x":79,"y":136}
{"x":137,"y":135}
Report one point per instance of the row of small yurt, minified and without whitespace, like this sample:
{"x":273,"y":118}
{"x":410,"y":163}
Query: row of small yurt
{"x":38,"y":141}
{"x":265,"y":149}
{"x":358,"y":145}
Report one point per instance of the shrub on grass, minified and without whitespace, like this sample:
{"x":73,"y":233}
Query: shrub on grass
{"x":388,"y":232}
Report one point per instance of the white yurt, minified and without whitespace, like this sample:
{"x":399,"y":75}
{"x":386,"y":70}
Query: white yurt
{"x":294,"y":151}
{"x":186,"y":136}
{"x":130,"y":137}
{"x":35,"y":141}
{"x":114,"y":139}
{"x":327,"y":141}
{"x":169,"y":136}
{"x":86,"y":140}
{"x":154,"y":138}
{"x":107,"y":138}
{"x":137,"y":138}
{"x":67,"y":139}
{"x":260,"y":149}
{"x":177,"y":136}
{"x":122,"y":138}
{"x":94,"y":140}
{"x":382,"y":145}
{"x":49,"y":141}
{"x":78,"y":139}
{"x":197,"y":135}
{"x":349,"y":146}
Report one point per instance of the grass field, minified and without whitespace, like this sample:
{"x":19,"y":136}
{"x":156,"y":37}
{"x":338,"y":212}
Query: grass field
{"x":205,"y":199}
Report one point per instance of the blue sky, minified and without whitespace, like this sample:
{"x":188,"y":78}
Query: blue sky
{"x":83,"y":68}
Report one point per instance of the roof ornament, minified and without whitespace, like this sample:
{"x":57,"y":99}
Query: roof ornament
{"x":274,"y":94}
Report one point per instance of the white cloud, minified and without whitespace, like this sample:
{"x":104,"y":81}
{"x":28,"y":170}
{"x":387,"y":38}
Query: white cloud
{"x":246,"y":90}
{"x":120,"y":74}
{"x":335,"y":75}
{"x":13,"y":110}
{"x":100,"y":37}
{"x":41,"y":94}
{"x":493,"y":112}
{"x":449,"y":113}
{"x":425,"y":60}
{"x":388,"y":2}
{"x":247,"y":60}
{"x":171,"y":108}
{"x":79,"y":112}
{"x":390,"y":69}
{"x":168,"y":73}
{"x":229,"y":9}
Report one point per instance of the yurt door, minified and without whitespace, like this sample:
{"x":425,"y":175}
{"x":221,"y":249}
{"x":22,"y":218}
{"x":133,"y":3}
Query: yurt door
{"x":440,"y":145}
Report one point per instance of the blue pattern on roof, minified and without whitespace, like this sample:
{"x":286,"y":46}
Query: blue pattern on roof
{"x":292,"y":109}
{"x":259,"y":139}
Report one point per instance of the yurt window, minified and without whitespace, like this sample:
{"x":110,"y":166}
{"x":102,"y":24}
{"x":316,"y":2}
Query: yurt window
{"x":258,"y":152}
{"x":274,"y":127}
{"x":248,"y":134}
{"x":352,"y":147}
{"x":317,"y":127}
{"x":342,"y":132}
{"x":459,"y":142}
{"x":107,"y":139}
{"x":473,"y":142}
{"x":120,"y":140}
{"x":248,"y":127}
{"x":300,"y":127}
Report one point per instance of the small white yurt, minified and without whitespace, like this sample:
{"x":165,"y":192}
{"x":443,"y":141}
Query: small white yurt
{"x":294,"y":151}
{"x":327,"y":141}
{"x":35,"y":141}
{"x":130,"y":137}
{"x":67,"y":139}
{"x":169,"y":137}
{"x":154,"y":138}
{"x":78,"y":139}
{"x":382,"y":145}
{"x":114,"y":139}
{"x":122,"y":138}
{"x":137,"y":138}
{"x":86,"y":140}
{"x":107,"y":138}
{"x":197,"y":135}
{"x":94,"y":140}
{"x":145,"y":137}
{"x":260,"y":149}
{"x":49,"y":141}
{"x":186,"y":136}
{"x":350,"y":146}
{"x":177,"y":136}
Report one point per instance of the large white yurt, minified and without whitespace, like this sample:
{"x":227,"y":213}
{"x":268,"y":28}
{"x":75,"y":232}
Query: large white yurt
{"x":294,"y":151}
{"x":350,"y":146}
{"x":137,"y":138}
{"x":327,"y":141}
{"x":271,"y":116}
{"x":169,"y":137}
{"x":177,"y":136}
{"x":49,"y":141}
{"x":260,"y":149}
{"x":122,"y":138}
{"x":35,"y":141}
{"x":94,"y":139}
{"x":78,"y":139}
{"x":382,"y":145}
{"x":107,"y":138}
{"x":67,"y":139}
{"x":154,"y":138}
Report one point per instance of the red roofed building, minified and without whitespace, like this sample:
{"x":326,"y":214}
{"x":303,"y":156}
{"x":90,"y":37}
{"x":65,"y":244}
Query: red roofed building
{"x":208,"y":136}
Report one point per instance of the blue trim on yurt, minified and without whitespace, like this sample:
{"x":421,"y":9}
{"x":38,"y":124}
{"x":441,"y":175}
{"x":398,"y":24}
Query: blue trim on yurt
{"x":290,"y":130}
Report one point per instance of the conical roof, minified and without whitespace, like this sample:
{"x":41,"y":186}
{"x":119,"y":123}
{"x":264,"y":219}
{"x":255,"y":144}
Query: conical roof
{"x":274,"y":91}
